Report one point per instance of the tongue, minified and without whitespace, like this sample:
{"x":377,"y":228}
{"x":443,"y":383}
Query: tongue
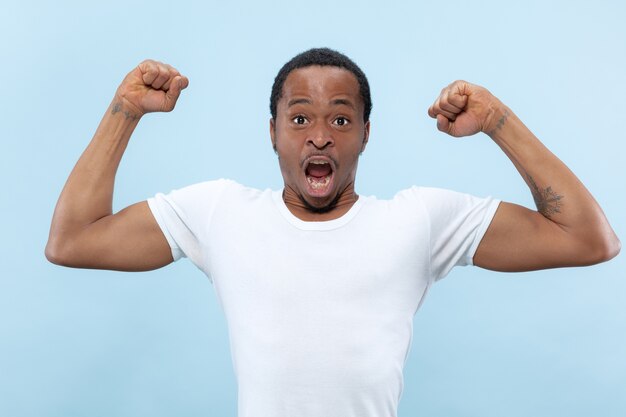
{"x":318,"y":170}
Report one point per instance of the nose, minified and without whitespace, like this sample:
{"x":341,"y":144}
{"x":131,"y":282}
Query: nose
{"x":321,"y":136}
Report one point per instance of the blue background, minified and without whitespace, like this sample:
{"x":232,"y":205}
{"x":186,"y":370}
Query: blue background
{"x":98,"y":343}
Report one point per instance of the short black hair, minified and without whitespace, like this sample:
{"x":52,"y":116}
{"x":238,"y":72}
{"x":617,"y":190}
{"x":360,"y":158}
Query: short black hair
{"x":323,"y":57}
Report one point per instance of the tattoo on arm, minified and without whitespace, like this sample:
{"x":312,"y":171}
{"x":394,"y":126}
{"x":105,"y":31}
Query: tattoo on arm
{"x":548,"y":202}
{"x":501,"y":122}
{"x":117,"y":107}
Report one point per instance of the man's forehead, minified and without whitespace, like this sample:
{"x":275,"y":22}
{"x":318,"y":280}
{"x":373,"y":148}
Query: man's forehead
{"x":318,"y":78}
{"x":320,"y":82}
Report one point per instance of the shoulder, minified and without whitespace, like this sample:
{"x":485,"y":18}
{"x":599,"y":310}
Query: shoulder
{"x":193,"y":198}
{"x":423,"y":192}
{"x":229,"y":196}
{"x":210,"y":189}
{"x":434,"y":197}
{"x":414,"y":196}
{"x":207,"y":187}
{"x":425,"y":196}
{"x":443,"y":206}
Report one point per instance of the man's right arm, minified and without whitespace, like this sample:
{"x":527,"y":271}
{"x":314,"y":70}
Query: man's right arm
{"x":84,"y":232}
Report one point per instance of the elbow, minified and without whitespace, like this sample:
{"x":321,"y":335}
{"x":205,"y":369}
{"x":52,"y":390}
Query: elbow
{"x":604,"y":249}
{"x":613,"y":249}
{"x":57,"y":252}
{"x":53,"y":253}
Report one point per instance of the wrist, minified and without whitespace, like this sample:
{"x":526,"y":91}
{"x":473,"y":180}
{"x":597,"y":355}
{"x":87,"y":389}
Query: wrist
{"x":497,"y":119}
{"x":118,"y":122}
{"x":123,"y":107}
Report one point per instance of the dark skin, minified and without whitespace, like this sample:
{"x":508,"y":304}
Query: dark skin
{"x":320,"y":123}
{"x":320,"y":115}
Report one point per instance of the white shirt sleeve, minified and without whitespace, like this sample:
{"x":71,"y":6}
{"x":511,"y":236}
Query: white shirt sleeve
{"x":458,"y":223}
{"x":184,"y":216}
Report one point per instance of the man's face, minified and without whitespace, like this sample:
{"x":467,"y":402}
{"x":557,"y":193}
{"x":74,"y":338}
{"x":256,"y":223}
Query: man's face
{"x":319,"y":133}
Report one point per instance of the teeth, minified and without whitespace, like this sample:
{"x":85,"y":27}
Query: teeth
{"x":318,"y":162}
{"x":317,"y":184}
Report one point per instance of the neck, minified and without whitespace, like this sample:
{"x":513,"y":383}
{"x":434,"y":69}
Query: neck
{"x":305,"y":211}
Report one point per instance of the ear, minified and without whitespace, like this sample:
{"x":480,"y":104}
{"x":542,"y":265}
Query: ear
{"x":366,"y":135}
{"x":273,"y":133}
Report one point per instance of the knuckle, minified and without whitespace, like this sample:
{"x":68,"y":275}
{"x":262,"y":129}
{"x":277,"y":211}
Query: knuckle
{"x":149,"y":65}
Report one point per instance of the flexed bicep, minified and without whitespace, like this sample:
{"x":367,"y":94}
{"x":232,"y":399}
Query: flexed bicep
{"x":520,"y":239}
{"x":84,"y":231}
{"x":130,"y":240}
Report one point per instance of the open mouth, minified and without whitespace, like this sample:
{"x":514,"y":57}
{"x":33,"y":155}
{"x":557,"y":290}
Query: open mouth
{"x":319,"y":173}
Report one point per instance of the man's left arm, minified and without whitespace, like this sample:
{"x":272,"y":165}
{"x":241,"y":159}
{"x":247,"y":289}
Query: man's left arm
{"x":567,"y":229}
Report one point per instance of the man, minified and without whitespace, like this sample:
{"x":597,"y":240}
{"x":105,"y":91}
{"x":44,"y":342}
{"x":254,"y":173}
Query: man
{"x":319,"y":285}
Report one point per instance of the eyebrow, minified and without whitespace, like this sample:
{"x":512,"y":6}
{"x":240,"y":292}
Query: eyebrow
{"x":295,"y":101}
{"x":343,"y":101}
{"x":335,"y":102}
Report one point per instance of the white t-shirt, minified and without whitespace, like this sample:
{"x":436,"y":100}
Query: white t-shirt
{"x":320,"y":314}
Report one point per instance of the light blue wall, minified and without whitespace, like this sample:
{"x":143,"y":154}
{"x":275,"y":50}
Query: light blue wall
{"x":97,"y":343}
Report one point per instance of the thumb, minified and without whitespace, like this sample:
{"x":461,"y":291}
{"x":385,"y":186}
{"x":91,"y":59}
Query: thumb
{"x":171,"y":95}
{"x":443,"y":124}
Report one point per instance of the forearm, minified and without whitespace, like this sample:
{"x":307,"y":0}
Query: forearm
{"x":559,"y":195}
{"x":88,"y":192}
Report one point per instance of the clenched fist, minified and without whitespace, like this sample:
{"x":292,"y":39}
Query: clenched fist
{"x":151,"y":87}
{"x":463,"y":109}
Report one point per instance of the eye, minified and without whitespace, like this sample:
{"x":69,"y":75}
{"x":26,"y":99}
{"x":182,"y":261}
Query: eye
{"x":341,"y":121}
{"x":299,"y":120}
